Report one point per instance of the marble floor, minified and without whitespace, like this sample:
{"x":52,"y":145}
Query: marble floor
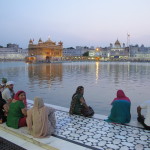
{"x":97,"y":134}
{"x":18,"y":141}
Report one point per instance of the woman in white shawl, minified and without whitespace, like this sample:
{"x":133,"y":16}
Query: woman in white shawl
{"x":40,"y":119}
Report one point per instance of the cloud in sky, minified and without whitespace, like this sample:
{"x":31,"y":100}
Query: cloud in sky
{"x":75,"y":22}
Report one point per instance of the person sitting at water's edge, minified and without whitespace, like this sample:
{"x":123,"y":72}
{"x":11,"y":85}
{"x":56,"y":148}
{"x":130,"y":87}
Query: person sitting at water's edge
{"x":3,"y":84}
{"x":120,"y":111}
{"x":145,"y":121}
{"x":3,"y":115}
{"x":8,"y":92}
{"x":78,"y":105}
{"x":17,"y":111}
{"x":41,"y":119}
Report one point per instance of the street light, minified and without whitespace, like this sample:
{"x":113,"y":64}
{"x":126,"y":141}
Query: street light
{"x":97,"y":53}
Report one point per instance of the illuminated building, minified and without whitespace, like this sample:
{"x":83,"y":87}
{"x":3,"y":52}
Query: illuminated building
{"x":12,"y":52}
{"x":44,"y":51}
{"x":118,"y":51}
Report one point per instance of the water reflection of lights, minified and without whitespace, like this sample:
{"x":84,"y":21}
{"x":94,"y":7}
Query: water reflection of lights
{"x":97,"y":71}
{"x":128,"y":65}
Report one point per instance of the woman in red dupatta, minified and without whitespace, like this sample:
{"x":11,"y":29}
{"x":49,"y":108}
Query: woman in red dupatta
{"x":16,"y":97}
{"x":17,"y":111}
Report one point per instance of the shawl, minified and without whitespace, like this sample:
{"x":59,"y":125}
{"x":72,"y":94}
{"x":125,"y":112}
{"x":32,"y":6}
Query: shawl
{"x":75,"y":106}
{"x":75,"y":99}
{"x":120,"y":112}
{"x":38,"y":121}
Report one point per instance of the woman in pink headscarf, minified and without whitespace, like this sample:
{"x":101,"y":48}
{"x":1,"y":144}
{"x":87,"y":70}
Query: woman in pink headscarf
{"x":17,"y":111}
{"x":121,"y":96}
{"x":120,"y":111}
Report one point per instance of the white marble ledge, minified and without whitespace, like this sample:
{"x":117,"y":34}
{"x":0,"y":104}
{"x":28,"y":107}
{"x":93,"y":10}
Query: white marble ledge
{"x":50,"y":143}
{"x":80,"y":133}
{"x":19,"y":141}
{"x":23,"y":134}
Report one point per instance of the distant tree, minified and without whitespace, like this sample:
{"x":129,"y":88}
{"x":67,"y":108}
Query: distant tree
{"x":86,"y":54}
{"x":1,"y":46}
{"x":85,"y":47}
{"x":70,"y":48}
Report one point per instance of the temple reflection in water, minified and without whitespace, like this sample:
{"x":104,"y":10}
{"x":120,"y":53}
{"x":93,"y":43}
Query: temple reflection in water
{"x":45,"y":73}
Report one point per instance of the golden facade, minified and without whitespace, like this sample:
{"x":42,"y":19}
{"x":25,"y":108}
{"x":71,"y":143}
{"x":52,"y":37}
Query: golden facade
{"x":45,"y":51}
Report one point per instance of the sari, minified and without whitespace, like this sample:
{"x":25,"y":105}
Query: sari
{"x":76,"y":106}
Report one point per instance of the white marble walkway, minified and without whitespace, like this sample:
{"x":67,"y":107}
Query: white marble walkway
{"x":80,"y":133}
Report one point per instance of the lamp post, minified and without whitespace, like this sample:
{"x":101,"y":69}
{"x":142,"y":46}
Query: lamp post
{"x":128,"y":42}
{"x":98,"y":52}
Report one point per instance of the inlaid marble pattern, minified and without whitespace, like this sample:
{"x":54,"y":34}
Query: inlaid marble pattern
{"x":98,"y":134}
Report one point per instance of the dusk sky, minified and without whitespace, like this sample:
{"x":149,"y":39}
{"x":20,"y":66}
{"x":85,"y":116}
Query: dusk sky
{"x":75,"y":22}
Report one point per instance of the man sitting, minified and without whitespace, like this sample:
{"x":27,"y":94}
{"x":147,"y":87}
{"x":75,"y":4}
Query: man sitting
{"x":8,"y":92}
{"x":145,"y":121}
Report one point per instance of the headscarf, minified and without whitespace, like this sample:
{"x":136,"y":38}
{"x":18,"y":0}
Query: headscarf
{"x":38,"y":121}
{"x":37,"y":118}
{"x":121,"y":96}
{"x":78,"y":90}
{"x":38,"y":102}
{"x":4,"y":80}
{"x":10,"y":82}
{"x":16,"y":97}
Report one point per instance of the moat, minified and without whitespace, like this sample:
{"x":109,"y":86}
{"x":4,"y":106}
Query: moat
{"x":57,"y":82}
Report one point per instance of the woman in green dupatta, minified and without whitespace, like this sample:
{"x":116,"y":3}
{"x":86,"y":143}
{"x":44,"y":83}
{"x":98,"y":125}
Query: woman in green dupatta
{"x":78,"y":102}
{"x":17,"y":112}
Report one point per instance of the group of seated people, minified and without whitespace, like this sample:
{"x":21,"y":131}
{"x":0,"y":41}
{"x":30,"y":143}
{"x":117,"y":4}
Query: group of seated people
{"x":40,"y":119}
{"x":120,"y":111}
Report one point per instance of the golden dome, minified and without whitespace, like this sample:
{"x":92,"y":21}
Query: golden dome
{"x":117,"y":42}
{"x":40,"y":41}
{"x":31,"y":42}
{"x":50,"y":42}
{"x":60,"y":43}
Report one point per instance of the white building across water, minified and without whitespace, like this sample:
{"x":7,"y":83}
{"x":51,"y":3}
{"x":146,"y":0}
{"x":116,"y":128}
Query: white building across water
{"x":12,"y":52}
{"x":118,"y":51}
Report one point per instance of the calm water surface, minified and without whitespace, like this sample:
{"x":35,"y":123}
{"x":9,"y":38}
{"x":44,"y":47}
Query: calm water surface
{"x":57,"y":82}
